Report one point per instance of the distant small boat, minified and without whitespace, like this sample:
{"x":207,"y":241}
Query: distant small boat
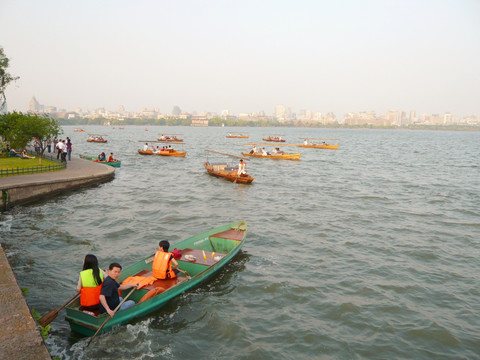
{"x":171,"y":153}
{"x":274,"y":138}
{"x":79,"y":130}
{"x":319,"y":146}
{"x":308,"y":143}
{"x":165,"y":138}
{"x":96,"y":139}
{"x":283,"y":156}
{"x":145,"y":152}
{"x":227,"y":172}
{"x":163,"y":153}
{"x":237,"y":136}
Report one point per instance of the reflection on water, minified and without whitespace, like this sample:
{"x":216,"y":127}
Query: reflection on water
{"x":362,"y":252}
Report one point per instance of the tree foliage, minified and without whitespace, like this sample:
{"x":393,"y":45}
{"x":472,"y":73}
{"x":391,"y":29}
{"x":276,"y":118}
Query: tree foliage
{"x":5,"y":77}
{"x":19,"y":129}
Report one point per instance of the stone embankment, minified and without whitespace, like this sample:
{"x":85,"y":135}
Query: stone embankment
{"x":25,"y":188}
{"x":19,"y":334}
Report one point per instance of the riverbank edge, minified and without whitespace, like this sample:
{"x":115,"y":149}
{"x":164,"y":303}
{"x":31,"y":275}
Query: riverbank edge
{"x":17,"y":194}
{"x":20,"y":336}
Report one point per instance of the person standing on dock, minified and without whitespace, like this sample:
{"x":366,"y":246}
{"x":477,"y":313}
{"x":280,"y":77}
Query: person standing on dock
{"x":69,"y":149}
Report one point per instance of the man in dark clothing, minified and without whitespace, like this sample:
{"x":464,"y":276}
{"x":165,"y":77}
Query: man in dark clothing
{"x":109,"y":298}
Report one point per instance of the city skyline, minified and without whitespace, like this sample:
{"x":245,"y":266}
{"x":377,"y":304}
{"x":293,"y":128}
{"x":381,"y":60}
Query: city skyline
{"x":280,"y":113}
{"x":245,"y":57}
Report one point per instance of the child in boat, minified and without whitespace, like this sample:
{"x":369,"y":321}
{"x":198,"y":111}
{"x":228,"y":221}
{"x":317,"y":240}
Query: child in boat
{"x":162,"y":262}
{"x":110,"y":158}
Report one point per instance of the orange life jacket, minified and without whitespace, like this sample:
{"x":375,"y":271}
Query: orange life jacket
{"x":162,"y":266}
{"x":89,"y":293}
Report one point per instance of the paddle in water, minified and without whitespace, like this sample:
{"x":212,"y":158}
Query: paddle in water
{"x":52,"y":314}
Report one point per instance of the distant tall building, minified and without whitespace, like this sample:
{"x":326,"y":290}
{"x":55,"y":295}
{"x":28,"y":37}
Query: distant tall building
{"x":413,"y":117}
{"x":392,"y":117}
{"x":34,"y":105}
{"x":280,"y":112}
{"x":402,"y":118}
{"x":447,"y":119}
{"x":176,"y":110}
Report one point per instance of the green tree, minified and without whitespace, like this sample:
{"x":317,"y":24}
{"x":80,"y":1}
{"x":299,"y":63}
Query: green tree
{"x":19,"y":129}
{"x":5,"y":77}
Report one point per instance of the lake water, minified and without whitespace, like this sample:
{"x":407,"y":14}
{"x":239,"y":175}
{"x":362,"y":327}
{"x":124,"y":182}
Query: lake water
{"x":371,"y":251}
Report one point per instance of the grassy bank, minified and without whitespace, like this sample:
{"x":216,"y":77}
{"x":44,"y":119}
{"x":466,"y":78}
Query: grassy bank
{"x":16,"y":162}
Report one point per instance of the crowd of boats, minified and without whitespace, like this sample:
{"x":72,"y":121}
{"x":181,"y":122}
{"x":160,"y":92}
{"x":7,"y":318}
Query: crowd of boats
{"x":234,"y":173}
{"x":200,"y":256}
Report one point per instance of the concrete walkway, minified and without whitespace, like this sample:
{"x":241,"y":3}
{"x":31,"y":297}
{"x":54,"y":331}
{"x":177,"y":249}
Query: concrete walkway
{"x":19,"y":335}
{"x":79,"y":172}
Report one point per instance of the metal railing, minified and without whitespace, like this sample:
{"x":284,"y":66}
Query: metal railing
{"x":35,"y":169}
{"x":31,"y":170}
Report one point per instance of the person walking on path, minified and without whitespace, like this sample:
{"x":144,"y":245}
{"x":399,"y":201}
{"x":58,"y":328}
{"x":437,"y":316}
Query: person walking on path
{"x":59,"y":147}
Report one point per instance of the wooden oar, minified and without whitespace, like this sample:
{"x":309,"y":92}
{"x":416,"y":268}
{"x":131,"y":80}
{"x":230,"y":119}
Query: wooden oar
{"x":109,"y":317}
{"x":234,"y":156}
{"x":51,"y":315}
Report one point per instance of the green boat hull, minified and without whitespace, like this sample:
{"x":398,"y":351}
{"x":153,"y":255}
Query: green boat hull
{"x":117,"y":163}
{"x":219,"y":245}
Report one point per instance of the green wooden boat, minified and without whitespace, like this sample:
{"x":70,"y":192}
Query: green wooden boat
{"x":117,"y":163}
{"x":202,"y":256}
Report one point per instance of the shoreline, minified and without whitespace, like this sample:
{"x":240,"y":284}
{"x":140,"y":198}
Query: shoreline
{"x":20,"y":336}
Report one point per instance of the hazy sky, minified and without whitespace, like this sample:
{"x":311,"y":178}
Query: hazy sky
{"x":246,"y":55}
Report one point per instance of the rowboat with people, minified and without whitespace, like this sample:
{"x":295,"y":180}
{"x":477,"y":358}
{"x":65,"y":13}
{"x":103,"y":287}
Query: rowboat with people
{"x":169,"y":138}
{"x":202,"y":256}
{"x":284,"y":156}
{"x":276,"y":153}
{"x":166,"y":152}
{"x":96,"y":139}
{"x":145,"y":152}
{"x":171,"y":152}
{"x":274,"y":138}
{"x":78,"y":130}
{"x":228,"y":171}
{"x":308,"y":143}
{"x":237,"y":136}
{"x":116,"y":163}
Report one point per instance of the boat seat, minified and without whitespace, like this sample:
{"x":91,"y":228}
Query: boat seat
{"x":199,"y":259}
{"x":94,"y":312}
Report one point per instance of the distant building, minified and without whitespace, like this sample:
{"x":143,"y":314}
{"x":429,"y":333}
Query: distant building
{"x":34,"y":106}
{"x":199,"y":121}
{"x":176,"y":110}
